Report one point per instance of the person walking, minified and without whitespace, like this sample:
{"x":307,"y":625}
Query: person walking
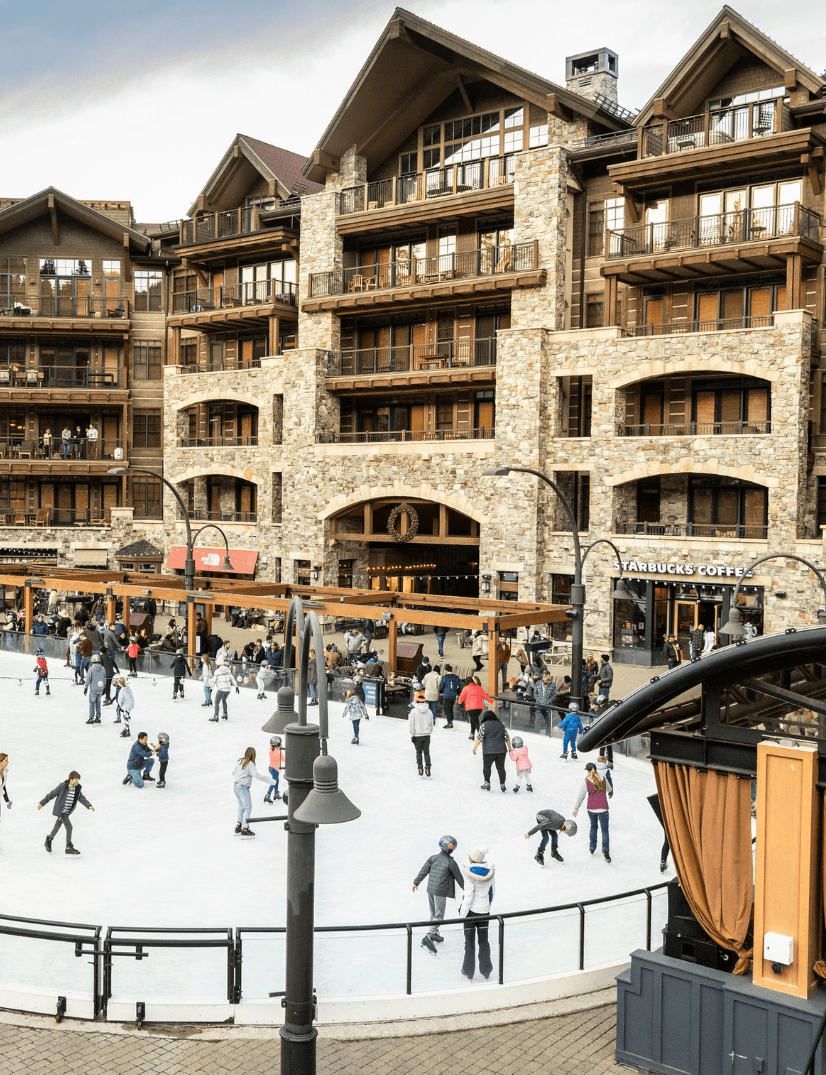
{"x":550,"y":824}
{"x":355,"y":711}
{"x":443,"y":875}
{"x":94,"y":687}
{"x":140,"y":761}
{"x":277,"y":757}
{"x":4,"y":791}
{"x":503,"y":656}
{"x":66,"y":797}
{"x":431,"y":684}
{"x":180,"y":670}
{"x":242,"y":777}
{"x":476,"y":904}
{"x":312,"y":679}
{"x":477,"y":649}
{"x":441,"y":635}
{"x":163,"y":758}
{"x":222,"y":683}
{"x":598,"y":794}
{"x":571,"y":725}
{"x":696,"y":642}
{"x":605,"y":677}
{"x":126,"y":703}
{"x":473,"y":698}
{"x":493,"y":735}
{"x":519,"y":756}
{"x":672,"y":652}
{"x":41,"y":670}
{"x":544,"y":696}
{"x":450,"y":687}
{"x":420,"y":726}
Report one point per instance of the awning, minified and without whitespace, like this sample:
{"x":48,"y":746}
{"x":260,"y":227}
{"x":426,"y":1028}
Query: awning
{"x":208,"y":559}
{"x":91,"y":557}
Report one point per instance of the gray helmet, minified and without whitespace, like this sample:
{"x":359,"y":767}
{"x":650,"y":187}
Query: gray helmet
{"x":163,"y":737}
{"x":275,"y":741}
{"x":570,"y":828}
{"x":95,"y":658}
{"x":38,"y":653}
{"x":516,"y":742}
{"x":448,"y":843}
{"x":179,"y":653}
{"x":573,"y":707}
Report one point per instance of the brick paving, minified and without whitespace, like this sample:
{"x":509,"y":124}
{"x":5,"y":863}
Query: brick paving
{"x":580,"y":1043}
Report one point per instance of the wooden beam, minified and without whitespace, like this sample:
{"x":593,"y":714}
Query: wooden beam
{"x":810,"y":163}
{"x":558,"y":109}
{"x":55,"y":230}
{"x":326,"y":160}
{"x":460,"y":84}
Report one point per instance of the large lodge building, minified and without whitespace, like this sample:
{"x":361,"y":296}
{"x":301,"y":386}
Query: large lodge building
{"x":475,"y":267}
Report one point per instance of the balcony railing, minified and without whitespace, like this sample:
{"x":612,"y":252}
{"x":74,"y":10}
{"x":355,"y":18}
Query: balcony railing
{"x":717,"y":324}
{"x":408,"y":436}
{"x":434,"y":183}
{"x":218,"y":442}
{"x":198,"y":515}
{"x":60,"y":377}
{"x":205,"y":229}
{"x":231,"y":296}
{"x":408,"y":272}
{"x":408,"y":358}
{"x":702,"y":530}
{"x":52,"y":516}
{"x":224,"y":366}
{"x":65,"y":306}
{"x":718,"y":127}
{"x":694,"y":429}
{"x":744,"y":225}
{"x":78,"y":448}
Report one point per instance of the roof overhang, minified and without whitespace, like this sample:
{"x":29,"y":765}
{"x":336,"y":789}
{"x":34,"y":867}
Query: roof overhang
{"x":237,"y":170}
{"x":52,"y":201}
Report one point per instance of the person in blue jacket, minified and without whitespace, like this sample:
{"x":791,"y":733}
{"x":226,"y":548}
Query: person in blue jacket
{"x":572,"y":726}
{"x":140,"y":762}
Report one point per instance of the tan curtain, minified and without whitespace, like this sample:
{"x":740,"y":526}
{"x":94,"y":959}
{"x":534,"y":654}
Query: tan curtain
{"x":707,"y":818}
{"x":820,"y":966}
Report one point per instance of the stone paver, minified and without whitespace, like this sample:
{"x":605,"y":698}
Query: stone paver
{"x":580,"y":1043}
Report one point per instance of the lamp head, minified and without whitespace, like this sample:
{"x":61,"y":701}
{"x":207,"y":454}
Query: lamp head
{"x":117,"y":470}
{"x":227,"y":564}
{"x":821,"y":616}
{"x":621,"y":591}
{"x":493,"y":472}
{"x":734,"y":626}
{"x":284,"y":714}
{"x":326,"y":805}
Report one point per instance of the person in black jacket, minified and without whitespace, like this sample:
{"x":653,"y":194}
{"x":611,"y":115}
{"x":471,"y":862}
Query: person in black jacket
{"x":66,"y":796}
{"x":180,"y":670}
{"x":107,"y":659}
{"x":443,"y":874}
{"x":493,"y":735}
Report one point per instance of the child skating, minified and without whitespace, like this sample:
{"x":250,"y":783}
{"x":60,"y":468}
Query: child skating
{"x":277,"y":757}
{"x":125,"y":704}
{"x":132,"y":651}
{"x":355,"y":711}
{"x":66,"y":796}
{"x":550,"y":824}
{"x":519,"y":755}
{"x":163,"y":758}
{"x":41,"y":670}
{"x":572,"y":726}
{"x":443,"y":874}
{"x":180,"y":670}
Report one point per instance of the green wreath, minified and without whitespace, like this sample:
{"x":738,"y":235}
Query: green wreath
{"x":412,"y":522}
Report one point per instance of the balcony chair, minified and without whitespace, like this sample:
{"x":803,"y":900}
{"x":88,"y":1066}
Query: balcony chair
{"x":115,"y":311}
{"x":43,"y":517}
{"x":5,"y":378}
{"x":26,"y":449}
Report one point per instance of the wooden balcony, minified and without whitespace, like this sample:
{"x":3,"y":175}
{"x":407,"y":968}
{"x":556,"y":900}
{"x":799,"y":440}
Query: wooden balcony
{"x":56,"y":384}
{"x":233,"y":306}
{"x":248,"y":230}
{"x":426,"y":365}
{"x":35,"y":314}
{"x":485,"y":270}
{"x":409,"y":436}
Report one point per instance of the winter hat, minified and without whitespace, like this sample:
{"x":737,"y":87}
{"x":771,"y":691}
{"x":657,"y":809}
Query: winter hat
{"x":477,"y":854}
{"x":179,"y":653}
{"x":590,"y":766}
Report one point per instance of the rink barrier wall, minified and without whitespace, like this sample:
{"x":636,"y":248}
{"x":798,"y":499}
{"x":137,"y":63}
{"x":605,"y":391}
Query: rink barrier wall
{"x":97,"y":994}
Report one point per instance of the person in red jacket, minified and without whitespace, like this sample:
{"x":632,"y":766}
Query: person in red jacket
{"x":473,"y":698}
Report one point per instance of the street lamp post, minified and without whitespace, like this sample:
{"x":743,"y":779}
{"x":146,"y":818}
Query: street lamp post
{"x":577,"y":613}
{"x":734,"y":625}
{"x":313,"y":799}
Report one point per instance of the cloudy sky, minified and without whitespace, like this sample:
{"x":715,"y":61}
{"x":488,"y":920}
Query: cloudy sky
{"x":140,"y":101}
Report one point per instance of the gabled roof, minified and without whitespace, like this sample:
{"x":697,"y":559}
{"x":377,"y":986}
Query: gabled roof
{"x":413,"y":68}
{"x":51,"y":201}
{"x":138,"y":550}
{"x":728,"y":38}
{"x":242,"y":164}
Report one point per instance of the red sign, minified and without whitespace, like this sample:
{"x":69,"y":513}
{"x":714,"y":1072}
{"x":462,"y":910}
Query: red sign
{"x":207,"y":559}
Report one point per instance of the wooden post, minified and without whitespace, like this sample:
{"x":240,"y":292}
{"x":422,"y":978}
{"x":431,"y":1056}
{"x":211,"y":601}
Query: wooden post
{"x":191,"y":634}
{"x":127,"y":612}
{"x":493,"y":667}
{"x":786,"y":866}
{"x":111,"y":606}
{"x":28,"y":607}
{"x":392,"y":639}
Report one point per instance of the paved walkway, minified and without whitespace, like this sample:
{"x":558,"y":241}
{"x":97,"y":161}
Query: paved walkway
{"x":579,"y":1043}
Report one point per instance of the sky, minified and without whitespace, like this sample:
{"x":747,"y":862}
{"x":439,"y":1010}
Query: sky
{"x":139,"y":102}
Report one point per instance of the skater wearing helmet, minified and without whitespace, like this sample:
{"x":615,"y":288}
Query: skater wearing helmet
{"x":41,"y":669}
{"x":277,"y":757}
{"x":126,"y":703}
{"x":519,"y":755}
{"x":443,"y":874}
{"x":572,"y":726}
{"x":163,"y":758}
{"x":598,"y":792}
{"x":180,"y":670}
{"x":550,"y":824}
{"x":95,"y":686}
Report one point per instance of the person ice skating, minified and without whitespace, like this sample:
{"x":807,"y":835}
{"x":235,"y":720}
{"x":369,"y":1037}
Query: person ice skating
{"x":598,"y":793}
{"x":66,"y":796}
{"x":654,"y":803}
{"x":519,"y":756}
{"x":473,"y":698}
{"x":242,"y":777}
{"x":277,"y":757}
{"x":163,"y":758}
{"x":431,"y":681}
{"x":550,"y":824}
{"x":420,"y":726}
{"x":107,"y":660}
{"x":222,"y":683}
{"x":450,"y":687}
{"x":180,"y":670}
{"x":355,"y":711}
{"x":41,"y":670}
{"x":312,"y":679}
{"x":493,"y":735}
{"x":95,"y":686}
{"x":4,"y":792}
{"x":126,"y":703}
{"x":263,"y":677}
{"x":572,"y":726}
{"x":544,"y":696}
{"x":132,"y":651}
{"x":206,"y":680}
{"x":604,"y":769}
{"x":443,"y":874}
{"x":476,"y":905}
{"x":477,"y":649}
{"x":140,"y":762}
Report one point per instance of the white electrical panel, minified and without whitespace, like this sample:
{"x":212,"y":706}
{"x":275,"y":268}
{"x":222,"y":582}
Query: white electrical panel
{"x":778,"y":948}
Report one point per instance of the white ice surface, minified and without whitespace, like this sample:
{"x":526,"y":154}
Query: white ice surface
{"x":169,"y":857}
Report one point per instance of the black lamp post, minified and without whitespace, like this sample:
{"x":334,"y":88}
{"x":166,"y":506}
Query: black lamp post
{"x":734,"y":625}
{"x":577,"y":611}
{"x":314,"y":799}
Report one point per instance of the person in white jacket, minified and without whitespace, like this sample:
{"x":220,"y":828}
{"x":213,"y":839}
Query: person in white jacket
{"x":242,"y":777}
{"x":476,"y":904}
{"x":126,"y":703}
{"x":222,"y":683}
{"x":420,"y":725}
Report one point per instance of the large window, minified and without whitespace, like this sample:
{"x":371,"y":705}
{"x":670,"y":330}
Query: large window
{"x":730,"y":406}
{"x":596,"y":230}
{"x":472,"y":138}
{"x":267,"y":281}
{"x":821,"y":505}
{"x":65,"y":287}
{"x":147,"y":360}
{"x":726,"y":507}
{"x":12,"y":282}
{"x":146,"y":429}
{"x":148,"y":289}
{"x":146,"y":498}
{"x":575,"y":398}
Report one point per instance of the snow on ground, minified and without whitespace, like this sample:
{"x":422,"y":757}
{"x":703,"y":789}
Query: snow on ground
{"x":169,"y":857}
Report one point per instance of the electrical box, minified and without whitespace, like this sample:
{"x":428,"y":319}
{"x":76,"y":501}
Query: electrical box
{"x":778,"y":949}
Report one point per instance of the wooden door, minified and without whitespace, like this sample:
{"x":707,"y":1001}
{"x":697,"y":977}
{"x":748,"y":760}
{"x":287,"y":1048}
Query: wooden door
{"x":83,"y":503}
{"x":418,"y":421}
{"x":654,"y":316}
{"x":708,"y":309}
{"x":111,"y":435}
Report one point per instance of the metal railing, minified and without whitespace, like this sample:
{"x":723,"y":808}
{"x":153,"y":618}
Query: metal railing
{"x":704,"y":530}
{"x":743,"y":225}
{"x":13,"y":376}
{"x":231,"y":296}
{"x":248,"y":441}
{"x":206,"y":229}
{"x":466,"y":264}
{"x":613,"y":138}
{"x":720,"y":126}
{"x":410,"y":357}
{"x":226,"y":365}
{"x":66,"y":306}
{"x":78,"y":448}
{"x":203,"y":516}
{"x":461,"y":178}
{"x":408,"y":436}
{"x":717,"y":324}
{"x":693,"y":429}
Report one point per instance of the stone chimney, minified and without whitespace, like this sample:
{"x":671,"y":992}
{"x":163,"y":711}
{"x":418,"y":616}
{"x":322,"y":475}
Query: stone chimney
{"x":593,"y":73}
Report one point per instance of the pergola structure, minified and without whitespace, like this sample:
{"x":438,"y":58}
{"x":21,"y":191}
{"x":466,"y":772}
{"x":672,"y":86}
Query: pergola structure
{"x":391,"y":607}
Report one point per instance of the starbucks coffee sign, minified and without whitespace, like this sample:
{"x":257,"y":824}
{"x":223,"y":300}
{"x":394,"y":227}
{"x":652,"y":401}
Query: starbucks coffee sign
{"x":650,"y":567}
